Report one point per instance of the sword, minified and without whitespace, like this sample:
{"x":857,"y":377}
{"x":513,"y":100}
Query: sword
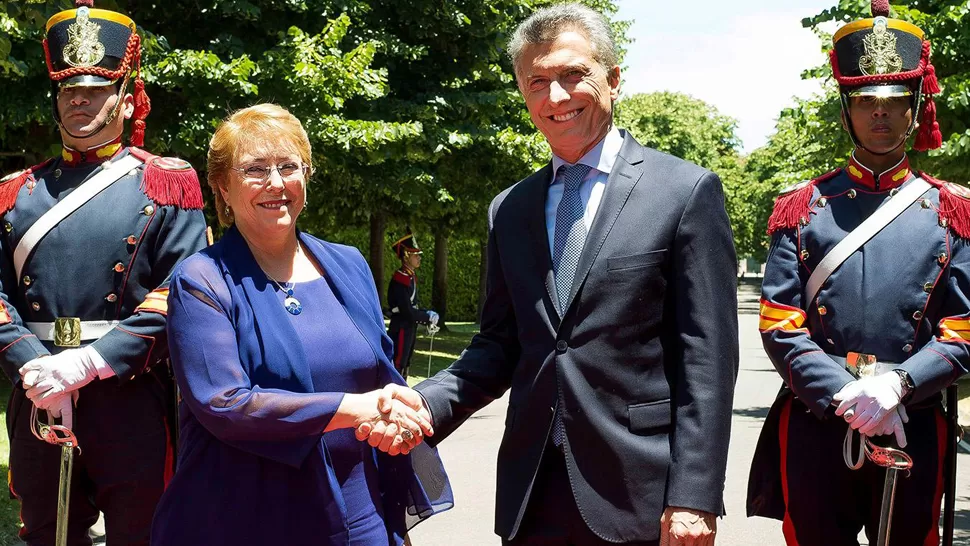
{"x":893,"y":460}
{"x":60,"y":435}
{"x":431,"y":330}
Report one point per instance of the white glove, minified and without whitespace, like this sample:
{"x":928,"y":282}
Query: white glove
{"x":433,"y":318}
{"x":64,"y":372}
{"x":870,"y":399}
{"x":61,"y":406}
{"x":893,"y":423}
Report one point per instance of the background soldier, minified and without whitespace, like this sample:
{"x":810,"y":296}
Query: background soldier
{"x":866,"y":346}
{"x":402,"y":297}
{"x":90,"y":238}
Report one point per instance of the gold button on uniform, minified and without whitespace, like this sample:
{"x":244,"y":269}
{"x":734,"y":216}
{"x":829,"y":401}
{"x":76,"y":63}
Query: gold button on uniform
{"x":131,"y":239}
{"x":943,"y":222}
{"x":27,"y":280}
{"x":925,"y":203}
{"x":918,"y":315}
{"x":8,"y":227}
{"x":907,"y":348}
{"x":57,"y":173}
{"x":928,"y":287}
{"x":942,"y":258}
{"x":822,"y":310}
{"x":148,"y":210}
{"x":119,"y":267}
{"x":893,"y":192}
{"x":35,"y":306}
{"x":851,"y":194}
{"x":804,"y":255}
{"x":822,"y":202}
{"x":111,"y":298}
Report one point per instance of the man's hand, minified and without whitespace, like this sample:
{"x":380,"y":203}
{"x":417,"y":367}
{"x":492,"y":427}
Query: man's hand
{"x":62,"y":407}
{"x":870,"y":400}
{"x":65,"y":372}
{"x":686,"y":527}
{"x":384,"y":436}
{"x":433,"y":318}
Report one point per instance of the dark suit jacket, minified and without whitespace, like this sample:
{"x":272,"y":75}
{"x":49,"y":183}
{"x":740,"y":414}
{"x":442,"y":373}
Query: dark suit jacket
{"x":643,"y":361}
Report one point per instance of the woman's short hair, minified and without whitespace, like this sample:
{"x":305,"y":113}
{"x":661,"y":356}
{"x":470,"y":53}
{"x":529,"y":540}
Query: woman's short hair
{"x":546,"y":24}
{"x":262,"y":126}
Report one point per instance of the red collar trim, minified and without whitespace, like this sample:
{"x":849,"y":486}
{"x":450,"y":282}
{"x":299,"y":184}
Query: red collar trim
{"x":98,"y":154}
{"x":888,"y":180}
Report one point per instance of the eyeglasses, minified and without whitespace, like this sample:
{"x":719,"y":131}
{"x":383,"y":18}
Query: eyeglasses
{"x":260,"y":174}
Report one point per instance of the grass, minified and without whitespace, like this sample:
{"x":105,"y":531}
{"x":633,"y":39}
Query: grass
{"x":9,"y":508}
{"x":447,"y":346}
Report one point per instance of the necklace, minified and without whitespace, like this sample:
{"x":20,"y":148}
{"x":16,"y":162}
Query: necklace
{"x":292,"y":305}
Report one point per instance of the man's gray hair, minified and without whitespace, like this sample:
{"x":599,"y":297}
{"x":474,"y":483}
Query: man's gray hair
{"x":548,"y":23}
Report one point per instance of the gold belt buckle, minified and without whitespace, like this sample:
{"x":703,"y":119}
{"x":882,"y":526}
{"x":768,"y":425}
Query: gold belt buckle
{"x":861,"y":364}
{"x":67,"y":332}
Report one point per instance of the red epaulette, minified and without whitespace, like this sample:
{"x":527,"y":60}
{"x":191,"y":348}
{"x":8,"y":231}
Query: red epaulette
{"x":793,"y":204}
{"x":169,"y":180}
{"x":954,"y":205}
{"x":402,"y":277}
{"x":10,"y":186}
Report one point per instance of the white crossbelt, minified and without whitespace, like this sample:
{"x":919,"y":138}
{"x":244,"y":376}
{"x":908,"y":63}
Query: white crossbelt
{"x":90,"y":329}
{"x":868,"y":229}
{"x":65,"y":207}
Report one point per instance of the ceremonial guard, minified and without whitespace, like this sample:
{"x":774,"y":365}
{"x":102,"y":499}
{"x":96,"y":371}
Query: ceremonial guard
{"x":402,"y":297}
{"x":865,"y":312}
{"x":90,"y":238}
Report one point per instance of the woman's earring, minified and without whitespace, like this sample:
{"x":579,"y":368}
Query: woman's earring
{"x":228,"y":211}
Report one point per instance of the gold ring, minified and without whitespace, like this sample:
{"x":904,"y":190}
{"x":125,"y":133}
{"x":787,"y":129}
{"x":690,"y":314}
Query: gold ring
{"x":407,"y":435}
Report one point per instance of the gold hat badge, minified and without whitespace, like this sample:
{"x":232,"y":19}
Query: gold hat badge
{"x":84,"y":47}
{"x":881,"y":56}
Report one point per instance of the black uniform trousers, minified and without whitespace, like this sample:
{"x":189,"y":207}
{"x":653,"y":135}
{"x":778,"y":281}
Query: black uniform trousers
{"x":828,"y":504}
{"x":552,"y":517}
{"x":122,"y":468}
{"x":403,"y":339}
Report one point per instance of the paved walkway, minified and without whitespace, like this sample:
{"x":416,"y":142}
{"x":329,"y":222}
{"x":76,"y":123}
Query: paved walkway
{"x":469,"y":456}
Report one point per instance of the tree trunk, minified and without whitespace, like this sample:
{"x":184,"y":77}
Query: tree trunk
{"x":378,"y":223}
{"x":482,"y":277}
{"x":439,"y":290}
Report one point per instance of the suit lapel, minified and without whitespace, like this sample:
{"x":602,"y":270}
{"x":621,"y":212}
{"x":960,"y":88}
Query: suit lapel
{"x":624,"y":177}
{"x":538,"y":186}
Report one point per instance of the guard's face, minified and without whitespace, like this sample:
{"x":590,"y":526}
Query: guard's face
{"x":880,"y":123}
{"x":568,"y":93}
{"x":413,"y":260}
{"x":84,"y":109}
{"x":269,"y":194}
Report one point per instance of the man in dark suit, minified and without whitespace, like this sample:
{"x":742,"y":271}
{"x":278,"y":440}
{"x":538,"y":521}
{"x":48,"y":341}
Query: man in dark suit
{"x":611,"y":313}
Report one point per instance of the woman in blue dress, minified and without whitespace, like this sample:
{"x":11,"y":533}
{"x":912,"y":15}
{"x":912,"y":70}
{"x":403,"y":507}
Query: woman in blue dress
{"x":278,"y":346}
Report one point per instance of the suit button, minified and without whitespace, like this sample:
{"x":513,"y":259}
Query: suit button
{"x":928,"y":287}
{"x":918,"y":315}
{"x":148,"y":210}
{"x":561,"y":346}
{"x":804,"y":255}
{"x":111,"y":298}
{"x":131,"y":239}
{"x":851,"y":194}
{"x":27,"y":280}
{"x":893,"y":192}
{"x":907,"y":348}
{"x":822,"y":310}
{"x":8,"y":227}
{"x":942,"y":258}
{"x":926,"y":203}
{"x":35,"y":306}
{"x":822,"y":202}
{"x":119,"y":267}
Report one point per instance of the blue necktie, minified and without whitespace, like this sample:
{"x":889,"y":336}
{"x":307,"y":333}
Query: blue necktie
{"x":567,"y":246}
{"x":570,"y":233}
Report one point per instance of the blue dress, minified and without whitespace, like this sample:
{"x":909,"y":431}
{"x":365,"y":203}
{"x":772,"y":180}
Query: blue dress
{"x":258,"y":388}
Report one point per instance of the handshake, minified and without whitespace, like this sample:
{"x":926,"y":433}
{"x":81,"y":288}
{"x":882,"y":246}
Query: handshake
{"x":401,"y":423}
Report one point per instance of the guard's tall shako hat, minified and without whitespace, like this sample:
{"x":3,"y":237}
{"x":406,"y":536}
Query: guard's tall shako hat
{"x":96,"y":47}
{"x":406,"y":245}
{"x":885,"y":57}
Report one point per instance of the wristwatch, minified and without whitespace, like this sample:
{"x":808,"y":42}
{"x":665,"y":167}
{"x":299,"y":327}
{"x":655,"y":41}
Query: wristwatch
{"x":906,"y":382}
